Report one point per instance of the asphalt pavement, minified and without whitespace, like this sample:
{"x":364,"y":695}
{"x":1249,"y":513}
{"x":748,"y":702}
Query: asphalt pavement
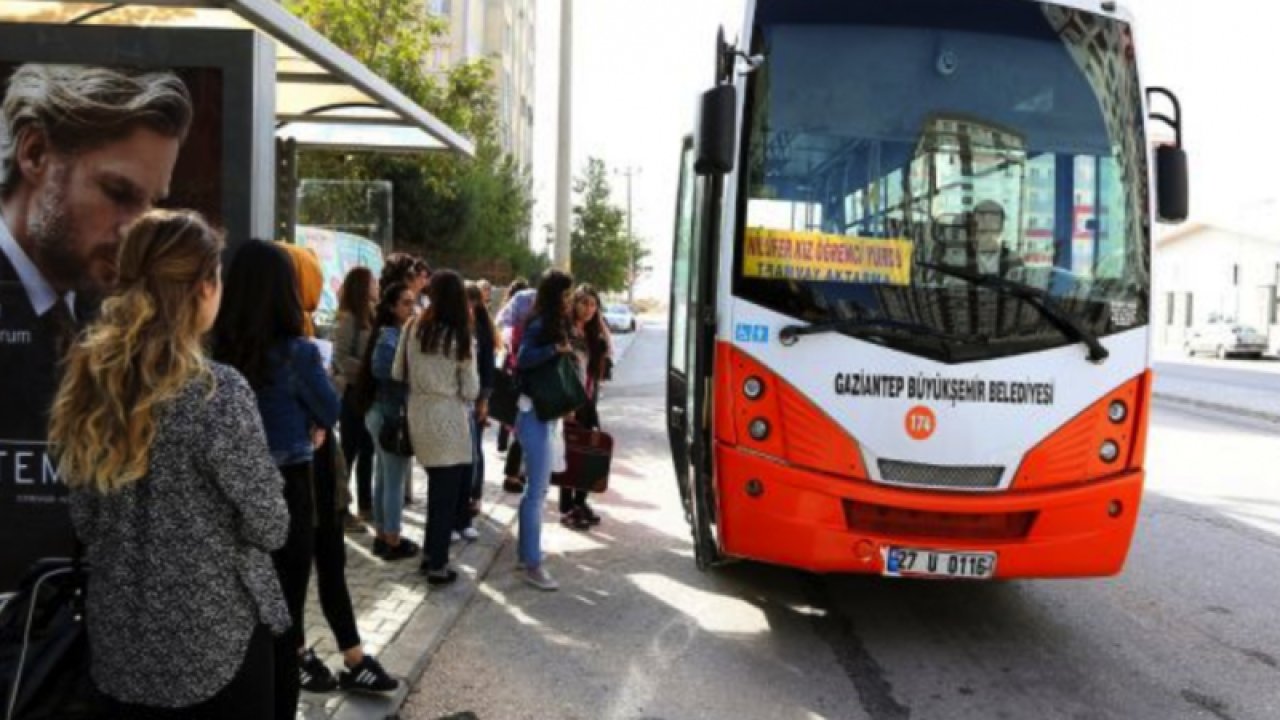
{"x":1189,"y":630}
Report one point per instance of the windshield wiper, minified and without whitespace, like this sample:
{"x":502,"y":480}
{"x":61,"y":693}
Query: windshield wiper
{"x":1039,"y":299}
{"x":790,"y":334}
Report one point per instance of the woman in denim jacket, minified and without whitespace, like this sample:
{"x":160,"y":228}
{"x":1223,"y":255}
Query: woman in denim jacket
{"x":545,"y":336}
{"x":387,"y":398}
{"x":260,"y":333}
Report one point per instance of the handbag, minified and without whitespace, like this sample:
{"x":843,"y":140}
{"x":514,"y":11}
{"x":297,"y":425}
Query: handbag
{"x":394,"y":436}
{"x":44,"y":646}
{"x":554,"y":388}
{"x":588,"y":455}
{"x":504,"y":400}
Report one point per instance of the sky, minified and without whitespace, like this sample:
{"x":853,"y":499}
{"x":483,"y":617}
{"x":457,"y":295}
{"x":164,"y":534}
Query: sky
{"x":640,"y":65}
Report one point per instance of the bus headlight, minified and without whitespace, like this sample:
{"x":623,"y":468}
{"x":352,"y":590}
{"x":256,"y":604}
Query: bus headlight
{"x":753,"y":388}
{"x":1109,"y":452}
{"x":759,"y":429}
{"x":1117,"y":411}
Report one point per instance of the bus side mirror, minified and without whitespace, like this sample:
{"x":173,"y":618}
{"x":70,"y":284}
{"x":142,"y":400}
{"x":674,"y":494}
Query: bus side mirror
{"x":1171,"y":164}
{"x":1171,"y":184}
{"x":715,"y":142}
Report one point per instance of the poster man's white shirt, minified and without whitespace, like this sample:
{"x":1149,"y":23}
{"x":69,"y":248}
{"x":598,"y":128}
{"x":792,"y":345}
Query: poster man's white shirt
{"x":39,"y":291}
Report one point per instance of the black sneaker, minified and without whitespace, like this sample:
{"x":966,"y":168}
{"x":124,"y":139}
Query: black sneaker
{"x":439,"y":578}
{"x":380,"y":547}
{"x":575,"y":520}
{"x":368,"y":676}
{"x":406,"y":549}
{"x":513,"y":485}
{"x":590,"y":514}
{"x":316,"y":676}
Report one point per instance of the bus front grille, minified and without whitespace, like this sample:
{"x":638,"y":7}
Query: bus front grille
{"x":951,"y":477}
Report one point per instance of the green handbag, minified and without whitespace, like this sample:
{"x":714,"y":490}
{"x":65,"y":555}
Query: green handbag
{"x":554,"y":388}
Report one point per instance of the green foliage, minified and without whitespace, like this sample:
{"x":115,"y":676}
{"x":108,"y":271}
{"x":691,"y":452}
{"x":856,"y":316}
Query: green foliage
{"x":601,"y":248}
{"x":466,"y":212}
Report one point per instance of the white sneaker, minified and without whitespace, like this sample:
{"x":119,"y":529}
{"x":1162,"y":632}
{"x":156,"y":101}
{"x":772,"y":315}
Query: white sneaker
{"x":471,"y":534}
{"x":455,"y":537}
{"x":541,"y":579}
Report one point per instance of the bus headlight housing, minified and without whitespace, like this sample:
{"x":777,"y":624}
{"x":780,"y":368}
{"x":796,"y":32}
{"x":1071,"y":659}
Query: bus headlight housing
{"x":753,"y":388}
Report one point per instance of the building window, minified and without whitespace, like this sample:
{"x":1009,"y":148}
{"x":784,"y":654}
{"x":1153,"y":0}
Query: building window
{"x":441,"y":8}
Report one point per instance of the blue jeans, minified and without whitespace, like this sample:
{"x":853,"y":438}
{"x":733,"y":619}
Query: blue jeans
{"x":388,"y":485}
{"x":535,"y":438}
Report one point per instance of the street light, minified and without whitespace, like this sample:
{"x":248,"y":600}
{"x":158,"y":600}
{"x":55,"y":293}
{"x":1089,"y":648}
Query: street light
{"x":630,"y":172}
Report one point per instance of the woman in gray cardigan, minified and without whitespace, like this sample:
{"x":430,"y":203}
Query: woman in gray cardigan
{"x":435,"y":359}
{"x":173,"y":490}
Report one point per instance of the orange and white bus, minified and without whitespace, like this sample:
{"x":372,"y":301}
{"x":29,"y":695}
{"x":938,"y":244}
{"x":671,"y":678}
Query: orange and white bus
{"x":911,"y":289}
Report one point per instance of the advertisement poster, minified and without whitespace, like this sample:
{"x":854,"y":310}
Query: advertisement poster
{"x":339,"y":253}
{"x":84,"y":149}
{"x":819,"y":257}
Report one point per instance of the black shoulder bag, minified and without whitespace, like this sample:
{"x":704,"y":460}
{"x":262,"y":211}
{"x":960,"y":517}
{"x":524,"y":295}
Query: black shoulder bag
{"x":394,"y":437}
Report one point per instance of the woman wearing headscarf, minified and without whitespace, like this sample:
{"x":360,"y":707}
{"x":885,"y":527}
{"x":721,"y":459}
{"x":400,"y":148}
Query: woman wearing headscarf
{"x":361,"y":672}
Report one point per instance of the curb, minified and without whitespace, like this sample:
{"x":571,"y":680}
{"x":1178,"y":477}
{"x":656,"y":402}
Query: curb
{"x":1220,"y":411}
{"x":409,"y":653}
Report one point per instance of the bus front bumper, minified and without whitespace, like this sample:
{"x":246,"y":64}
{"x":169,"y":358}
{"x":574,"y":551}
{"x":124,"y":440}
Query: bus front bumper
{"x":775,"y":513}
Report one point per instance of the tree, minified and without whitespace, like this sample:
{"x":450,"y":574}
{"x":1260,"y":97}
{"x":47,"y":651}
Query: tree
{"x":457,"y":211}
{"x":601,"y":249}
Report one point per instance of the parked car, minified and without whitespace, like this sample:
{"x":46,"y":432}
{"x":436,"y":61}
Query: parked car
{"x":1225,"y":339}
{"x":619,"y":318}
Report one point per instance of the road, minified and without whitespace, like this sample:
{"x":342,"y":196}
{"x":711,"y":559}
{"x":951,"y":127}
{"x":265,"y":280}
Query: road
{"x":1188,"y":631}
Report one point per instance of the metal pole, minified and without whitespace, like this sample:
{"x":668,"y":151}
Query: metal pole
{"x":563,"y":250}
{"x":631,"y":249}
{"x":632,"y":260}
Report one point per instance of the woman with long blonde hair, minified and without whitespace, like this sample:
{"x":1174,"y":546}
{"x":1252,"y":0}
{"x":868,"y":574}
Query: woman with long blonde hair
{"x":173,"y":490}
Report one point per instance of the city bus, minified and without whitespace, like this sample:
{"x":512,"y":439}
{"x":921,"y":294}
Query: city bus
{"x":911,"y":289}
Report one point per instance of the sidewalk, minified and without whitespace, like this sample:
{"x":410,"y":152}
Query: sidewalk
{"x":400,"y":620}
{"x":1247,"y":393}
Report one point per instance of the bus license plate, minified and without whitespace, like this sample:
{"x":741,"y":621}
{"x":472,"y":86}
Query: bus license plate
{"x":914,"y":562}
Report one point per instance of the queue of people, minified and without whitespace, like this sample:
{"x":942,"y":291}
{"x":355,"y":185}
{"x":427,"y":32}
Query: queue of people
{"x":209,"y":451}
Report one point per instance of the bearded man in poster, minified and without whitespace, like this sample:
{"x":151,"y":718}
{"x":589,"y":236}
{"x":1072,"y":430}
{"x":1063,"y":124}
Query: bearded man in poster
{"x":83,"y":152}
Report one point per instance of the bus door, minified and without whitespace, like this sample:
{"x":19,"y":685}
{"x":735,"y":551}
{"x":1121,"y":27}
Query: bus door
{"x":683,"y":320}
{"x":690,"y":356}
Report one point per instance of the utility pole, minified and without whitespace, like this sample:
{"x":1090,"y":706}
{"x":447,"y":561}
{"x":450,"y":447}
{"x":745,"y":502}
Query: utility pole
{"x":563,"y":251}
{"x":632,"y":261}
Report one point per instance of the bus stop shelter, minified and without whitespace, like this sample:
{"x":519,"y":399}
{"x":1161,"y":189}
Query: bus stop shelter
{"x":262,"y":85}
{"x":321,"y":97}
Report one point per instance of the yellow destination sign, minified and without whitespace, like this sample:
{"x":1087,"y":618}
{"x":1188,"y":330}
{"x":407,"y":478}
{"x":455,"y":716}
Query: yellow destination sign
{"x":818,"y":257}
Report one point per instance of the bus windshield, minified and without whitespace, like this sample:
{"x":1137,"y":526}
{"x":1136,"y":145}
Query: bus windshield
{"x":997,"y":137}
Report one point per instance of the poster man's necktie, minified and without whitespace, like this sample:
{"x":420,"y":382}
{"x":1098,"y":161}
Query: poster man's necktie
{"x":61,"y":325}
